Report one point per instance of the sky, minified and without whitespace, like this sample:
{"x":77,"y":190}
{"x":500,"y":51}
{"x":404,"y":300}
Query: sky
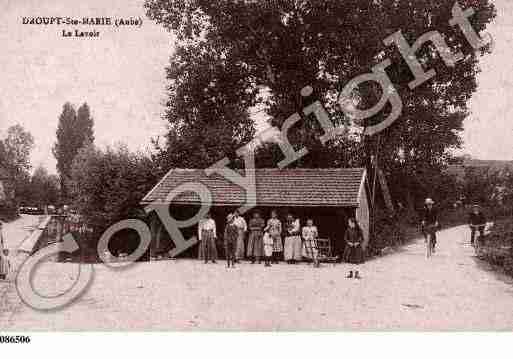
{"x":121,"y":75}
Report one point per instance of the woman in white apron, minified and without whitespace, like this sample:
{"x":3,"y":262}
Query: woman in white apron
{"x":292,"y":248}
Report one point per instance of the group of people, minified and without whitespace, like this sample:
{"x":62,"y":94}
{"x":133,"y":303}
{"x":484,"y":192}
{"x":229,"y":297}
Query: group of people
{"x":273,"y":240}
{"x":430,"y":223}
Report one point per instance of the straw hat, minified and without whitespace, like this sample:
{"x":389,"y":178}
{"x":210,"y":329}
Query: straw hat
{"x":429,"y":201}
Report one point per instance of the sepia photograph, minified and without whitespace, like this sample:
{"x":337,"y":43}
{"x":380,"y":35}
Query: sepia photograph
{"x":255,"y":166}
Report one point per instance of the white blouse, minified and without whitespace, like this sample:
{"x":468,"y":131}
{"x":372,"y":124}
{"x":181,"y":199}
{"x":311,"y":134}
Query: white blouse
{"x":310,"y":233}
{"x":240,"y":222}
{"x":207,"y":224}
{"x":296,"y":227}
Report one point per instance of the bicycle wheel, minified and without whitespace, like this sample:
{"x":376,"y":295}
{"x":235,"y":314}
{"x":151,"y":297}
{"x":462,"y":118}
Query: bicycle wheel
{"x":428,"y":246}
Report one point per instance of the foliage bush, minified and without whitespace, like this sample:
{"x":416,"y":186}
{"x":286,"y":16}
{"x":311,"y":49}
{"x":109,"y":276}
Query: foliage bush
{"x":107,"y":186}
{"x":8,"y":211}
{"x":497,"y":247}
{"x":390,"y":230}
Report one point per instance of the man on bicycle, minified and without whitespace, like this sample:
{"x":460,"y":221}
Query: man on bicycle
{"x":430,"y":219}
{"x":477,"y":222}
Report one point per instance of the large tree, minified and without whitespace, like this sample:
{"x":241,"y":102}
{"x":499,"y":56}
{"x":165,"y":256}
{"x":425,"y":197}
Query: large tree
{"x":278,"y":47}
{"x":3,"y":154}
{"x":39,"y":189}
{"x":16,"y":150}
{"x":107,"y":186}
{"x":44,"y":187}
{"x":85,"y":124}
{"x":74,"y":131}
{"x":208,"y":107}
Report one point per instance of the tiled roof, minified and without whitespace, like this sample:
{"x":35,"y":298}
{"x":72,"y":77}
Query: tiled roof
{"x":274,"y":187}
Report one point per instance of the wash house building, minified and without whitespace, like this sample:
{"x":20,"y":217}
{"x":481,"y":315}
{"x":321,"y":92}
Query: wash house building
{"x":328,"y":196}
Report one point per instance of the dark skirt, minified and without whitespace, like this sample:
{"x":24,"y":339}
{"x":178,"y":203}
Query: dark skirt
{"x":207,"y":246}
{"x":229,"y":249}
{"x":354,"y":255}
{"x":255,"y":244}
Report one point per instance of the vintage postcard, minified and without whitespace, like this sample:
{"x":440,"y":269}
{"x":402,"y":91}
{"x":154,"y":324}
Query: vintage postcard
{"x":243,"y":165}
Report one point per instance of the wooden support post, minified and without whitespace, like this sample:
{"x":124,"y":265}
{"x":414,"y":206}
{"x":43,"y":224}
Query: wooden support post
{"x":158,"y":238}
{"x":154,"y":223}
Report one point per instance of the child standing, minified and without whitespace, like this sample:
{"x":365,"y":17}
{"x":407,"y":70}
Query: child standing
{"x":231,"y":233}
{"x":353,"y":252}
{"x":275,"y":229}
{"x":268,"y":246}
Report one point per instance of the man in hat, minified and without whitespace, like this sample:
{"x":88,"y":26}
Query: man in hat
{"x":430,"y":218}
{"x":477,"y":222}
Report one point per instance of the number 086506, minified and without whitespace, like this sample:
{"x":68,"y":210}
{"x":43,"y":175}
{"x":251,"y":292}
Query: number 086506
{"x":14,"y":339}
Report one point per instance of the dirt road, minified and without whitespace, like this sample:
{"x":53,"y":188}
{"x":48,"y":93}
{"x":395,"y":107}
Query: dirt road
{"x":401,"y":291}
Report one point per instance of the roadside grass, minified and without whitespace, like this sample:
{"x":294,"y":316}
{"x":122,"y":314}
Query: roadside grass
{"x":497,"y":246}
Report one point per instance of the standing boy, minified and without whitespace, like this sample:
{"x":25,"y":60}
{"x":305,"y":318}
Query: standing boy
{"x":231,"y":233}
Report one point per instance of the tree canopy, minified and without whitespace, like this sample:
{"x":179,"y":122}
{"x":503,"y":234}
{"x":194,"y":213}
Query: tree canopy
{"x":15,"y":150}
{"x":107,"y":186}
{"x":75,"y":130}
{"x":233,"y":56}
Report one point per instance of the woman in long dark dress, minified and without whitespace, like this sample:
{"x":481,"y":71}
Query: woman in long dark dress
{"x":354,"y":252}
{"x":255,"y":240}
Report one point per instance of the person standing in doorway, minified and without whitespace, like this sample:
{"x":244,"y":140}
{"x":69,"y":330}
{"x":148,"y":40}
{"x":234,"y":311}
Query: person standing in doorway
{"x":242,"y":227}
{"x":231,"y":232}
{"x":275,"y":229}
{"x":292,"y":248}
{"x":354,"y":252}
{"x":255,"y":240}
{"x":207,"y":238}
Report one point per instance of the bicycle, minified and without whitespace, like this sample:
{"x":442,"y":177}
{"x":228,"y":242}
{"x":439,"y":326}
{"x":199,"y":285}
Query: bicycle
{"x":479,"y":228}
{"x":429,"y":239}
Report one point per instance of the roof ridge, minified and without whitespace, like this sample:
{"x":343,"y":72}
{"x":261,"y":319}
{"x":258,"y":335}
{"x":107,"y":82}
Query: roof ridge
{"x":275,"y":169}
{"x":298,"y":186}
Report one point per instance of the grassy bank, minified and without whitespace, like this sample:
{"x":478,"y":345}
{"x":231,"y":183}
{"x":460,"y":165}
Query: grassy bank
{"x":497,"y":246}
